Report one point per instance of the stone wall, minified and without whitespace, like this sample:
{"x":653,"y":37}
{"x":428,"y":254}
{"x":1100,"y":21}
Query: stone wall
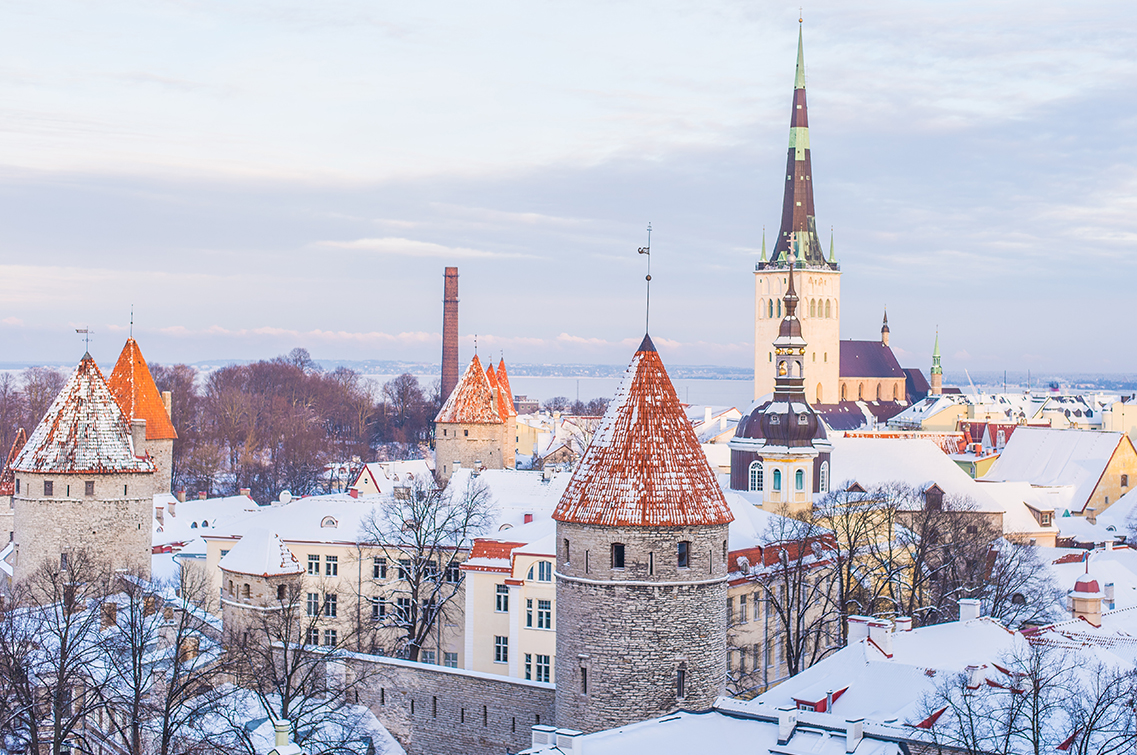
{"x":433,"y":710}
{"x":481,"y":445}
{"x":629,"y":631}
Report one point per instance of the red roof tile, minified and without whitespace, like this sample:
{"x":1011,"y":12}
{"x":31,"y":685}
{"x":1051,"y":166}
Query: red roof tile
{"x":83,"y":432}
{"x":504,"y":393}
{"x":644,"y":466}
{"x":472,"y":401}
{"x":133,"y":387}
{"x":8,"y":476}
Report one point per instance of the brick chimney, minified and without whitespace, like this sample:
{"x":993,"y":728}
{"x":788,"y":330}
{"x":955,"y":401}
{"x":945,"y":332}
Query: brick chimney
{"x":449,"y":333}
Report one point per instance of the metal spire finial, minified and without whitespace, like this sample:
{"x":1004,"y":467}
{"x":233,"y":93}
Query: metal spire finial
{"x":86,"y":333}
{"x":647,"y":303}
{"x":132,"y":321}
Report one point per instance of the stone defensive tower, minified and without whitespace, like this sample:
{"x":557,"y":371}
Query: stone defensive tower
{"x":449,"y":333}
{"x":82,"y":481}
{"x":641,"y":564}
{"x":138,"y":397}
{"x":257,"y":574}
{"x":475,"y":427}
{"x":819,"y":280}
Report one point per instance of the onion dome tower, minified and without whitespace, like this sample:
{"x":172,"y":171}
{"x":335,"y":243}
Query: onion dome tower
{"x":781,"y":447}
{"x":820,"y":279}
{"x":641,"y":564}
{"x":134,"y":389}
{"x":82,"y":481}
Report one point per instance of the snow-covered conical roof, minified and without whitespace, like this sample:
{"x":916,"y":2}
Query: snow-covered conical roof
{"x":261,"y":553}
{"x":83,"y":432}
{"x":133,"y":386}
{"x":472,"y":400}
{"x":8,"y":476}
{"x":644,"y":466}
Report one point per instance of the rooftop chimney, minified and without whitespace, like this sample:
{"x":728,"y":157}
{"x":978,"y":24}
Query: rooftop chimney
{"x":903,"y":623}
{"x":968,"y":609}
{"x":787,"y":722}
{"x":1091,"y":515}
{"x":283,"y":727}
{"x":168,"y":402}
{"x":858,"y":628}
{"x":181,"y":496}
{"x":880,"y":632}
{"x":202,"y":495}
{"x":854,"y":733}
{"x":449,"y":333}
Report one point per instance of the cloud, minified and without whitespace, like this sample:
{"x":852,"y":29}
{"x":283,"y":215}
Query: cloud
{"x":13,"y":321}
{"x":413,"y":248}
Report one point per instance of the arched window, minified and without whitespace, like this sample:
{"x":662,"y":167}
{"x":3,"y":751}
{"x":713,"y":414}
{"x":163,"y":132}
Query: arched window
{"x":844,"y":393}
{"x":819,"y":394}
{"x":204,"y":522}
{"x":799,"y":480}
{"x":779,"y":307}
{"x":245,"y":591}
{"x":770,"y":306}
{"x":860,"y":391}
{"x":812,"y":308}
{"x":755,"y":475}
{"x":777,"y":479}
{"x":827,"y":311}
{"x":823,"y":477}
{"x":281,"y":592}
{"x":878,"y":391}
{"x":896,"y":392}
{"x":544,"y":569}
{"x":328,"y":522}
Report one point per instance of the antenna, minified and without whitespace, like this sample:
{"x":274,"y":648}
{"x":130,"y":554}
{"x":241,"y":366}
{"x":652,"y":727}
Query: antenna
{"x":647,"y":305}
{"x":86,"y":333}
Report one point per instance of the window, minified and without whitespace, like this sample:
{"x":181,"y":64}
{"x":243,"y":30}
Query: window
{"x":755,"y":475}
{"x":584,"y":680}
{"x":827,"y":310}
{"x":332,"y":566}
{"x":651,"y":563}
{"x":466,"y":433}
{"x":62,"y":562}
{"x":453,"y":573}
{"x":544,"y":571}
{"x":500,"y":649}
{"x":777,"y":480}
{"x":378,"y":568}
{"x":281,"y":592}
{"x":330,"y":602}
{"x":617,"y":555}
{"x":823,"y":477}
{"x":565,"y":551}
{"x":330,"y":638}
{"x":742,"y":617}
{"x":378,"y":609}
{"x":501,"y":599}
{"x":312,"y":637}
{"x":245,"y":591}
{"x":1124,"y":480}
{"x":684,"y":554}
{"x":48,"y":488}
{"x":224,"y":552}
{"x":681,"y":681}
{"x":328,"y":521}
{"x":89,"y":488}
{"x":770,"y":308}
{"x":544,"y":614}
{"x":230,"y":588}
{"x":404,"y":568}
{"x":313,"y":564}
{"x":529,"y":666}
{"x":799,"y":480}
{"x":729,"y":613}
{"x":1046,"y":520}
{"x":450,"y":660}
{"x":427,"y":656}
{"x":313,"y":604}
{"x":529,"y":612}
{"x":404,"y":608}
{"x":544,"y":667}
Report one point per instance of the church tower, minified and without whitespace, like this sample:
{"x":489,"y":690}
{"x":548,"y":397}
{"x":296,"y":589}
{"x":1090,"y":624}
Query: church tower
{"x":641,"y":564}
{"x":781,"y":447}
{"x":937,"y":370}
{"x":819,"y":280}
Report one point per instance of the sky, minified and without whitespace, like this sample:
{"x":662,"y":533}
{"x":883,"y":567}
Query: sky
{"x":255,"y":176}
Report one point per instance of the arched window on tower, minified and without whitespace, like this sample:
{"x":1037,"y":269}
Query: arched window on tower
{"x":844,"y":393}
{"x":823,"y":477}
{"x":827,"y":310}
{"x":777,"y":479}
{"x":779,"y":307}
{"x":799,"y":480}
{"x":813,"y":308}
{"x":878,"y":391}
{"x":770,"y":306}
{"x":896,"y":392}
{"x":860,"y":391}
{"x":755,"y":475}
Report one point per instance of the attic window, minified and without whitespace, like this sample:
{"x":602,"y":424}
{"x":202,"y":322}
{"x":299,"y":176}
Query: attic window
{"x":328,"y":522}
{"x":193,"y":525}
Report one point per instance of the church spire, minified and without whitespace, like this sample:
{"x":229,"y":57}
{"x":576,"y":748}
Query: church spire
{"x":797,"y":203}
{"x":884,"y":328}
{"x":937,"y":369}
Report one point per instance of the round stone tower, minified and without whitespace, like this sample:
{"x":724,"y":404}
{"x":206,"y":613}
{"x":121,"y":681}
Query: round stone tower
{"x":259,"y":574}
{"x":641,"y":564}
{"x":83,"y":482}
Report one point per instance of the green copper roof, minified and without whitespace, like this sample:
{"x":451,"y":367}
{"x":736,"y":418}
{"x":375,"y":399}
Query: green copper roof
{"x":936,"y":350}
{"x":763,"y":244}
{"x":832,"y":249}
{"x":799,"y":79}
{"x":936,"y":368}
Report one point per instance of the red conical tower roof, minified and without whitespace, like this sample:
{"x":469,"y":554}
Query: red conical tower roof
{"x":644,"y":466}
{"x":504,"y":393}
{"x":472,"y":401}
{"x":8,"y":476}
{"x":134,"y":389}
{"x":83,"y":432}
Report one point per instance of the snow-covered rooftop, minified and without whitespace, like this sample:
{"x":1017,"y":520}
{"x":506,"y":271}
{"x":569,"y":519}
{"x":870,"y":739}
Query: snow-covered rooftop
{"x":472,"y":400}
{"x":261,"y":553}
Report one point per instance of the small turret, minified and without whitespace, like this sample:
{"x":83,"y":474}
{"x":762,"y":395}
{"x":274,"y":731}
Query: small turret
{"x":884,"y":328}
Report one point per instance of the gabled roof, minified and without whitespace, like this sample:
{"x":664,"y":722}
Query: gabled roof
{"x":916,"y":384}
{"x":1047,"y":457}
{"x":472,"y":400}
{"x":84,"y":431}
{"x":133,"y":387}
{"x":8,"y":476}
{"x":644,"y":466}
{"x":261,"y":553}
{"x":869,"y":359}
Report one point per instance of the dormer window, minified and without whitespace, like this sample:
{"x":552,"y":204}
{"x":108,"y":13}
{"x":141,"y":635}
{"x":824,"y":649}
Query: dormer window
{"x":775,"y":419}
{"x":328,"y":522}
{"x":803,"y":419}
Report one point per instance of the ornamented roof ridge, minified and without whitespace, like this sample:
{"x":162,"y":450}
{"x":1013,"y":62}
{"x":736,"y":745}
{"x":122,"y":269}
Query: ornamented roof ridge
{"x":644,"y":466}
{"x":134,"y":388}
{"x":472,"y":400}
{"x":83,"y":432}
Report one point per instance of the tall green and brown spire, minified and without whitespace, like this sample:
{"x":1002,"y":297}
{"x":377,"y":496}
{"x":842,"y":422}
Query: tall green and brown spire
{"x":799,"y":226}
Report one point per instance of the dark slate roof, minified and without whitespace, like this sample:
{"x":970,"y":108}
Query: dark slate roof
{"x":868,"y":359}
{"x":885,"y":410}
{"x":916,"y":385}
{"x":843,"y":416}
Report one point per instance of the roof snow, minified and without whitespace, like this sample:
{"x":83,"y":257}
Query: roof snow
{"x":261,"y":553}
{"x":644,"y":466}
{"x":472,"y":401}
{"x":83,"y":432}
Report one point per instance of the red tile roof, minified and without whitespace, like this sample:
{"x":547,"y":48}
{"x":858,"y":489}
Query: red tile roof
{"x":472,"y":400}
{"x":133,"y":387}
{"x":8,"y":476}
{"x":644,"y":466}
{"x":83,"y":432}
{"x":504,"y":392}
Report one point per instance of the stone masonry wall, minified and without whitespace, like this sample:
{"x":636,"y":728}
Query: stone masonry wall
{"x":485,"y":444}
{"x":433,"y":710}
{"x":630,"y":630}
{"x":109,"y":523}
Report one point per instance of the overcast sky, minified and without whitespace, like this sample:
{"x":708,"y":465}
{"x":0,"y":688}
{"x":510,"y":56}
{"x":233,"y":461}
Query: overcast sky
{"x":254,"y":176}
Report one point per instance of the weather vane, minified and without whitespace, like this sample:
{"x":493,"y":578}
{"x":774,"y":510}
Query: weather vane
{"x":86,"y":333}
{"x":647,"y":305}
{"x":132,"y":321}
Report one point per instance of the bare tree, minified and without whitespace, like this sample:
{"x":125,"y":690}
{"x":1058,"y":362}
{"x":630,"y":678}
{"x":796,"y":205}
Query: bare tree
{"x":425,"y":530}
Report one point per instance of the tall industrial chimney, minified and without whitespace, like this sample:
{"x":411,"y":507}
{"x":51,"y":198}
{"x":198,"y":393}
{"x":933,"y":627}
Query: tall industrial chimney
{"x":450,"y":333}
